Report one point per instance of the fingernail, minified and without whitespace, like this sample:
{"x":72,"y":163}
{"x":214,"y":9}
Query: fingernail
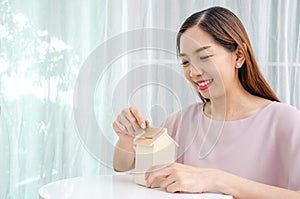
{"x":143,"y":125}
{"x":122,"y":127}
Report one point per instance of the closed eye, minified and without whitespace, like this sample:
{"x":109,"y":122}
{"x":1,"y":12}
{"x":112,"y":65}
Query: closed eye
{"x":205,"y":57}
{"x":184,"y":63}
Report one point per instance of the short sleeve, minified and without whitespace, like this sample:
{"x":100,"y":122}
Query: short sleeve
{"x":289,"y":144}
{"x":294,"y":151}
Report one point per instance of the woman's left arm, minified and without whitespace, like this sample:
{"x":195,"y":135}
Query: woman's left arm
{"x":182,"y":178}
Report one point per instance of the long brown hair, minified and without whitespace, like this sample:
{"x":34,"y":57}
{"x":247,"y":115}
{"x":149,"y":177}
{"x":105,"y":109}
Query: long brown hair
{"x":226,"y":29}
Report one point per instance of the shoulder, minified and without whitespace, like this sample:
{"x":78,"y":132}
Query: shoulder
{"x":284,"y":107}
{"x":284,"y":112}
{"x":285,"y":122}
{"x":282,"y":118}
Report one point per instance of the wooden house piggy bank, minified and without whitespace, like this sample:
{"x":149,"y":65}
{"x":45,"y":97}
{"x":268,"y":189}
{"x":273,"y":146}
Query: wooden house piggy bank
{"x":153,"y":147}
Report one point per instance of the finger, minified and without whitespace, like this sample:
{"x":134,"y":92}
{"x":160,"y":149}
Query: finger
{"x":132,"y":120}
{"x":118,"y":128}
{"x":174,"y":187}
{"x":121,"y":132}
{"x":129,"y":116}
{"x":127,"y":124}
{"x":157,"y":182}
{"x":155,"y":169}
{"x":134,"y":129}
{"x":137,"y":128}
{"x":163,"y":173}
{"x":138,"y":116}
{"x":167,"y":182}
{"x":149,"y":171}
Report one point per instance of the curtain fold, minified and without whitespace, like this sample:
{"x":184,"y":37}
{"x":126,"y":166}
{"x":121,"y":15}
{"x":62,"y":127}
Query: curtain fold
{"x":44,"y":46}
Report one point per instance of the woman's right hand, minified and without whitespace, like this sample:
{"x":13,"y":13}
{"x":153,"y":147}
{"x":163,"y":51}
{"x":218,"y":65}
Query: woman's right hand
{"x":129,"y":123}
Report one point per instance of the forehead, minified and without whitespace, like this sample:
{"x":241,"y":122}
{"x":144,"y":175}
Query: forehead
{"x":193,"y":38}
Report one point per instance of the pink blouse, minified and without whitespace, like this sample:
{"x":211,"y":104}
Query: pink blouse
{"x":264,"y":147}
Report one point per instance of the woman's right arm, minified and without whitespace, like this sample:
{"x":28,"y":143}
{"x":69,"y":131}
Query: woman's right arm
{"x":129,"y":123}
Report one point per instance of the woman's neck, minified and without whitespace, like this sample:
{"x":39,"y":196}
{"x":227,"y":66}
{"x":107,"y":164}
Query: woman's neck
{"x":234,"y":106}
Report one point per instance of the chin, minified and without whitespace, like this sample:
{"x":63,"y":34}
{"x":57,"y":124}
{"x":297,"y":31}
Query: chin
{"x":205,"y":94}
{"x":201,"y":95}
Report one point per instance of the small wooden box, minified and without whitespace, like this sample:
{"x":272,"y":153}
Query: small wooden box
{"x":153,"y":147}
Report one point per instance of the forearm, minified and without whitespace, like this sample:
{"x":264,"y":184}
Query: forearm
{"x":241,"y":188}
{"x":124,"y":156}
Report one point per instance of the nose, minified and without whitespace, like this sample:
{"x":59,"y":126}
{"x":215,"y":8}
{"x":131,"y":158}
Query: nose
{"x":195,"y":71}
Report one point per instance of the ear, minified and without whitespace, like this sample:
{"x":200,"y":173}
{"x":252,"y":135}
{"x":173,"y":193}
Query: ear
{"x":240,"y":57}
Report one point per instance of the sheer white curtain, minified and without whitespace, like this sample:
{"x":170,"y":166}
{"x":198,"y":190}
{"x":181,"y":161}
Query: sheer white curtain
{"x":68,"y":67}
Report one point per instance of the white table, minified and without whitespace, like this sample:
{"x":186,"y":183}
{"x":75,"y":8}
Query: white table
{"x":111,"y":187}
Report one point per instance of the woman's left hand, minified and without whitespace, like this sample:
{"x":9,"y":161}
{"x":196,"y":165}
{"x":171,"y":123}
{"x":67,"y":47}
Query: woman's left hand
{"x":182,"y":178}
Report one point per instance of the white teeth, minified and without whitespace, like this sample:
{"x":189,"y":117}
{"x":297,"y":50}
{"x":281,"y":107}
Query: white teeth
{"x":204,"y":83}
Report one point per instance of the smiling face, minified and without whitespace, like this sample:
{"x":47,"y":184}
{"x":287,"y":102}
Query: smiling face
{"x":208,"y":66}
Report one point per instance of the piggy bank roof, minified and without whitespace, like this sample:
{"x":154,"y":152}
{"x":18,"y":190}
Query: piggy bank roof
{"x":151,"y":135}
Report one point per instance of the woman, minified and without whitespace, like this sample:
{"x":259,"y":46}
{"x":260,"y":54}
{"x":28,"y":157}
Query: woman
{"x":254,"y":153}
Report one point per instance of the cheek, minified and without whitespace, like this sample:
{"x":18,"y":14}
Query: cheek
{"x":226,"y":75}
{"x":213,"y":69}
{"x":221,"y":69}
{"x":186,"y":73}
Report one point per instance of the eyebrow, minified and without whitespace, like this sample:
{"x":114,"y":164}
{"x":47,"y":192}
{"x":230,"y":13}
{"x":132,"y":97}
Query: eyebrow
{"x":196,"y":51}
